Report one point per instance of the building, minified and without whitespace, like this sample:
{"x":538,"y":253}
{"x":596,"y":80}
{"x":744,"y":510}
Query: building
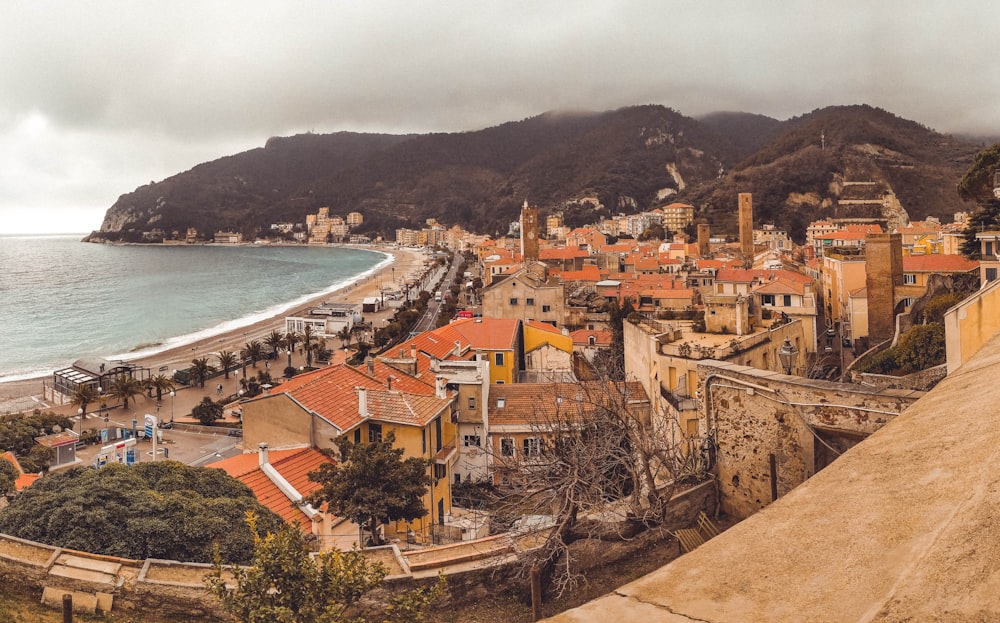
{"x":228,"y":237}
{"x":677,"y":216}
{"x":530,"y":293}
{"x":355,"y":218}
{"x":745,"y":217}
{"x":529,"y":232}
{"x":989,"y":267}
{"x":315,"y":408}
{"x":326,"y":320}
{"x":100,"y":374}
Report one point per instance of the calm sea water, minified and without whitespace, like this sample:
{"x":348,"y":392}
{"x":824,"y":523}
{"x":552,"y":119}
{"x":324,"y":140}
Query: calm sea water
{"x":62,"y":299}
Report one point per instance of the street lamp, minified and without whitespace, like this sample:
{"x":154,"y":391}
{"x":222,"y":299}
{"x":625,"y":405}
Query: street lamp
{"x":79,"y":418}
{"x":787,"y":354}
{"x":172,"y":394}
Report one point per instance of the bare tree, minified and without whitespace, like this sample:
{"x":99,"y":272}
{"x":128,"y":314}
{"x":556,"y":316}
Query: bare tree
{"x":592,"y":456}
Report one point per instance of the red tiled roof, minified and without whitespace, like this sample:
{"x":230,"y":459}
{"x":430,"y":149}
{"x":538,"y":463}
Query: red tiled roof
{"x":542,"y":326}
{"x":735,"y":275}
{"x":540,"y":404}
{"x":293,"y":465}
{"x":781,"y":286}
{"x":561,"y":253}
{"x":487,"y":333}
{"x":587,"y":273}
{"x":402,"y":408}
{"x":668,"y":293}
{"x":582,"y":336}
{"x":937,"y":263}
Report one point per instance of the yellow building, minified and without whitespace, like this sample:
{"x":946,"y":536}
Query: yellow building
{"x":366,"y":405}
{"x":843,"y":271}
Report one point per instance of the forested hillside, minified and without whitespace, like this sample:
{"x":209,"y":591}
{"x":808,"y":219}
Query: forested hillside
{"x":631,"y":159}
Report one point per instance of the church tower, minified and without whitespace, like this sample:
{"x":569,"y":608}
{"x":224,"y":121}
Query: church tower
{"x":529,"y":232}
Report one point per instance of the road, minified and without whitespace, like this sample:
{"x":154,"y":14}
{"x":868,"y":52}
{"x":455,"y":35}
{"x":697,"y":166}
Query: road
{"x":429,"y":320}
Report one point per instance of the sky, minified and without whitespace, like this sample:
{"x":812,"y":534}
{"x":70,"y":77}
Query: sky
{"x":98,"y":98}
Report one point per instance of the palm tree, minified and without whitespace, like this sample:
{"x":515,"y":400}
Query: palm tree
{"x":83,"y":396}
{"x":345,"y":336}
{"x":274,"y":340}
{"x":291,"y":339}
{"x":227,"y":359}
{"x":125,"y":388}
{"x":322,"y":352}
{"x":200,"y":369}
{"x":161,"y":383}
{"x":254,"y":350}
{"x":307,"y":338}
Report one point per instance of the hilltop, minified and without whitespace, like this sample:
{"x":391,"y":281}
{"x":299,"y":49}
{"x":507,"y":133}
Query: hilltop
{"x":629,"y":159}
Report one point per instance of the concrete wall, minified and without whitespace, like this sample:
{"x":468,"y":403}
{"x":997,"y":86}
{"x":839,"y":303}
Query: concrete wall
{"x":970,"y":324}
{"x":753,"y":414}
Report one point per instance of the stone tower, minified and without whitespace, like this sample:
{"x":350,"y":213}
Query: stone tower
{"x":746,"y":228}
{"x":529,"y":232}
{"x":883,"y":274}
{"x":704,"y":238}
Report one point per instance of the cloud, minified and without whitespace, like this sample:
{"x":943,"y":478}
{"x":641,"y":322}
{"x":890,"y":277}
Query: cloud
{"x":126,"y":92}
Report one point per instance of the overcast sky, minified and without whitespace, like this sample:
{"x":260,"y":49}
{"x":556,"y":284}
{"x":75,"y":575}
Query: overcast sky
{"x":97,"y":98}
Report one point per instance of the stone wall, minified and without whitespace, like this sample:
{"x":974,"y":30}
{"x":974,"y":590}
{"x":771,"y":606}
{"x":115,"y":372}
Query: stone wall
{"x":921,"y":381}
{"x":177,"y":588}
{"x":804,"y":424}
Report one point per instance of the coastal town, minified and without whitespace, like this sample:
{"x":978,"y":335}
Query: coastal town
{"x":733,"y":369}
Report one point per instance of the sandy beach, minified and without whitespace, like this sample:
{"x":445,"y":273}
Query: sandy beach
{"x":27,"y":394}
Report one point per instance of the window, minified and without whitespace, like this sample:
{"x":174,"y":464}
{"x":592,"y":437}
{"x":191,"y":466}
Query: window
{"x":767,"y":299}
{"x":374,"y":433}
{"x":423,"y":440}
{"x":987,"y":247}
{"x":506,"y":446}
{"x":591,"y":340}
{"x":787,"y":300}
{"x":472,"y":402}
{"x":513,"y":301}
{"x":470,"y":440}
{"x":991,"y":274}
{"x":546,"y":308}
{"x":532,"y":447}
{"x":529,"y":301}
{"x":498,"y":359}
{"x":357,"y":435}
{"x":437,"y":433}
{"x":909,"y":279}
{"x":908,"y":301}
{"x":440,"y":471}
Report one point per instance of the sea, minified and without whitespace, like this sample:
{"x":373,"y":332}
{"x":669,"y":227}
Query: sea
{"x":63,"y":300}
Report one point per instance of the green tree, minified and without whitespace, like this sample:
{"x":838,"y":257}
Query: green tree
{"x":373,"y":485}
{"x":161,"y":509}
{"x":291,"y":339}
{"x":125,"y":388}
{"x":8,"y":475}
{"x":977,"y":183}
{"x":254,"y":351}
{"x":207,"y":411}
{"x":161,"y":383}
{"x":284,"y":584}
{"x":200,"y":369}
{"x":274,"y":340}
{"x":921,"y":347}
{"x":307,"y":338}
{"x":83,"y":396}
{"x":227,"y":361}
{"x":985,"y":218}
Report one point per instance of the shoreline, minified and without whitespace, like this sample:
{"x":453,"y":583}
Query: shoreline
{"x":406,"y":261}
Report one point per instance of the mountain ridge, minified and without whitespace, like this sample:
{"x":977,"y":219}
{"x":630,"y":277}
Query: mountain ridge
{"x":632,"y":158}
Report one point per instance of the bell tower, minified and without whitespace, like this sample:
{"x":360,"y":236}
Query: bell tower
{"x":529,"y":232}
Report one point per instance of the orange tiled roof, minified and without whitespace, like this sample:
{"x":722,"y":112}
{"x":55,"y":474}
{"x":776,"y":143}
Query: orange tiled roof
{"x":937,"y":263}
{"x":487,"y":333}
{"x":539,"y":404}
{"x":561,"y":253}
{"x":781,"y":286}
{"x":402,"y":408}
{"x":582,"y":336}
{"x":23,"y":481}
{"x":587,"y":273}
{"x":735,"y":275}
{"x":293,"y":465}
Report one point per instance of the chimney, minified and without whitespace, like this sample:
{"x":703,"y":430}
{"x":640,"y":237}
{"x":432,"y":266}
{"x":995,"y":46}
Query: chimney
{"x":439,"y":387}
{"x":262,"y":454}
{"x":413,"y":351}
{"x":458,"y":348}
{"x":402,"y":353}
{"x":363,"y":401}
{"x":371,"y":364}
{"x":388,"y":382}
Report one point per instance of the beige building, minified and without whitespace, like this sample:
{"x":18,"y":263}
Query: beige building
{"x":355,"y":218}
{"x":528,"y":294}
